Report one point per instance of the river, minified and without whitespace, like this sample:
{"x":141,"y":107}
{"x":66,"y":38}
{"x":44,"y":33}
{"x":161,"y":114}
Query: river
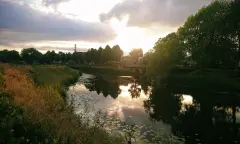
{"x":196,"y":115}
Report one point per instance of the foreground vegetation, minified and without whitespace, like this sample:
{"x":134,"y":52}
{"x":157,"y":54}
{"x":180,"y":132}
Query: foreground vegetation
{"x":36,"y":113}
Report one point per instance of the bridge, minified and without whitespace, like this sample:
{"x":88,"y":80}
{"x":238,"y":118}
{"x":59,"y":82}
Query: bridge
{"x":136,"y":68}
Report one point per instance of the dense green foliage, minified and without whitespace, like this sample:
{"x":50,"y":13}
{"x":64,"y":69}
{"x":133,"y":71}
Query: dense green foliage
{"x":9,"y":56}
{"x":208,"y":39}
{"x":101,"y":56}
{"x":30,"y":55}
{"x":33,"y":56}
{"x":166,"y":55}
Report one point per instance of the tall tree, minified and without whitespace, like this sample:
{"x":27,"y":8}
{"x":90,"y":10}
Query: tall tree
{"x":233,"y":25}
{"x":206,"y":37}
{"x":50,"y":56}
{"x":167,"y":53}
{"x":77,"y":57}
{"x":100,"y":55}
{"x":9,"y":56}
{"x":117,"y":53}
{"x":136,"y":53}
{"x":61,"y":56}
{"x":107,"y":54}
{"x":31,"y":55}
{"x":91,"y":55}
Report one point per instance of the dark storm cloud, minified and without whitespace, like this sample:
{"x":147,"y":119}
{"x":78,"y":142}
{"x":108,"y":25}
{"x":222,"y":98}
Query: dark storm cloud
{"x":146,"y":12}
{"x":21,"y":23}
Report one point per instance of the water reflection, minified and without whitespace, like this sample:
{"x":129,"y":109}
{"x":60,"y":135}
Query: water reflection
{"x":187,"y":100}
{"x":106,"y":87}
{"x":111,"y":86}
{"x":121,"y":97}
{"x":198,"y":115}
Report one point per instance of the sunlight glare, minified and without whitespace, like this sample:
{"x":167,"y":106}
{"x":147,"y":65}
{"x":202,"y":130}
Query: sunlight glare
{"x":131,"y":37}
{"x":187,"y":100}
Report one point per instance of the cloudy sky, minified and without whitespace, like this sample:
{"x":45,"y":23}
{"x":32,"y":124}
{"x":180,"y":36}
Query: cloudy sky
{"x":59,"y":24}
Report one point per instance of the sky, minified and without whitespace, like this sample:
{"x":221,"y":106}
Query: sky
{"x":59,"y":24}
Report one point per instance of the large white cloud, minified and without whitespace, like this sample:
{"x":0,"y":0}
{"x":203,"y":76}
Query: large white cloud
{"x":21,"y":23}
{"x":143,"y":13}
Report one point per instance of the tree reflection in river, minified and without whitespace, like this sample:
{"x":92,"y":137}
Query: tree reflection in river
{"x":163,"y":105}
{"x":135,"y":90}
{"x":111,"y":86}
{"x":100,"y":85}
{"x":139,"y":84}
{"x":211,"y":118}
{"x":196,"y":114}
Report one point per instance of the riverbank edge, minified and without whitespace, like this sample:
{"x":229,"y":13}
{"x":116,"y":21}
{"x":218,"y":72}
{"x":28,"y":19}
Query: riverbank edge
{"x":212,"y":80}
{"x":104,"y":70}
{"x":60,"y":124}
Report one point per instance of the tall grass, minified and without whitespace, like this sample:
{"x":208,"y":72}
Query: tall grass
{"x":54,"y":75}
{"x":60,"y":77}
{"x":43,"y":107}
{"x":16,"y":128}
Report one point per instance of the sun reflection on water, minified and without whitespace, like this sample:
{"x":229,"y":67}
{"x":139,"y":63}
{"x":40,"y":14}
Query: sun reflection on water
{"x":124,"y":103}
{"x":187,"y":99}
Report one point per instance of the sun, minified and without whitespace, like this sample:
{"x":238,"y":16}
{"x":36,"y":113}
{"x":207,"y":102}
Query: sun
{"x":131,"y":37}
{"x":128,"y":37}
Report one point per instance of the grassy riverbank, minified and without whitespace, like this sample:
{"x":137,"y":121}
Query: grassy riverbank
{"x":33,"y":110}
{"x":54,"y":75}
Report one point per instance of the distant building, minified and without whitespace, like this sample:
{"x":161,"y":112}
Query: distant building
{"x":127,"y":60}
{"x":140,"y":61}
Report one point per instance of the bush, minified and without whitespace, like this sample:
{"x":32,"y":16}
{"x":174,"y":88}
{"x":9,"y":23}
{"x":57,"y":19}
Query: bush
{"x":15,"y":128}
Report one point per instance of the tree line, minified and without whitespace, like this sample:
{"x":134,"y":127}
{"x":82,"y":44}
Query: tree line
{"x":101,"y":56}
{"x":208,"y":39}
{"x":32,"y":55}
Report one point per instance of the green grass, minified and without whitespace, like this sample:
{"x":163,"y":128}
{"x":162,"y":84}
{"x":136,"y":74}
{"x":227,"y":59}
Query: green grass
{"x":59,"y":76}
{"x":54,"y":75}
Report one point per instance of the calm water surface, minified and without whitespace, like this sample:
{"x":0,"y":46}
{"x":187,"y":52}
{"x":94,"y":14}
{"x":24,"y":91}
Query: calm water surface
{"x":199,"y":116}
{"x":119,"y":96}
